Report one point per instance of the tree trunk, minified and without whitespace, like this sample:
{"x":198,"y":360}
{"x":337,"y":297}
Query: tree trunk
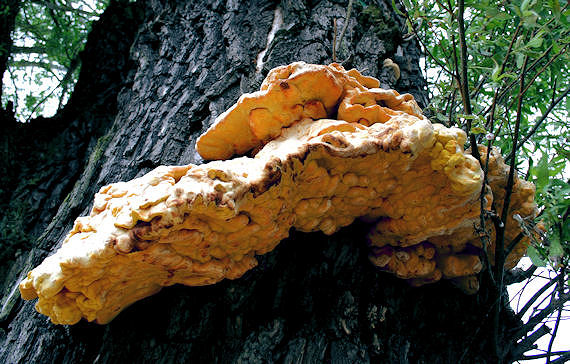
{"x":154,"y":77}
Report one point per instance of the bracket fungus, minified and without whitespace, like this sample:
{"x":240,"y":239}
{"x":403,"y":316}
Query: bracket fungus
{"x":329,"y":147}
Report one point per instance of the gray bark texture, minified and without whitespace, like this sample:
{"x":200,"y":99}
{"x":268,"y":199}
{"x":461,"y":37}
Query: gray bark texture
{"x":155,"y":75}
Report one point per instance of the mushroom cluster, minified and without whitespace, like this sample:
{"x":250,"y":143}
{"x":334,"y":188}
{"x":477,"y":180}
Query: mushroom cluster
{"x":326,"y":146}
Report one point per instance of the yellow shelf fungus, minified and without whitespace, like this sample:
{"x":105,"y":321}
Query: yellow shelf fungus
{"x":197,"y":225}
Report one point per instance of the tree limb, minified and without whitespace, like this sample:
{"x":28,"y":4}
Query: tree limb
{"x":45,"y":65}
{"x":70,"y":9}
{"x":518,"y":275}
{"x":527,"y":343}
{"x":536,"y":319}
{"x":29,"y":50}
{"x":540,"y":356}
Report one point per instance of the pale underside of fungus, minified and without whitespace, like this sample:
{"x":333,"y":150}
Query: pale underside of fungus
{"x":329,"y":147}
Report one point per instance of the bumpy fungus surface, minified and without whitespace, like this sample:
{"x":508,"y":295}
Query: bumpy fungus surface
{"x":378,"y":159}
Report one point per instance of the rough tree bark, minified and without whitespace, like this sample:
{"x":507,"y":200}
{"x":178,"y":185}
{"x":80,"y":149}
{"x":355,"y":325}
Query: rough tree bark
{"x":154,"y":76}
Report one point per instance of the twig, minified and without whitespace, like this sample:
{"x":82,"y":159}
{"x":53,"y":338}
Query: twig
{"x":451,"y":108}
{"x":13,"y":79}
{"x":504,"y":90}
{"x":550,"y":61}
{"x":500,"y":232}
{"x":540,"y":356}
{"x":28,"y":50}
{"x":513,"y":243}
{"x":346,"y":19}
{"x":41,"y":102}
{"x":491,"y":118}
{"x":464,"y":82}
{"x":507,"y":88}
{"x":518,"y":275}
{"x":542,"y":118}
{"x":534,"y":320}
{"x":45,"y":65}
{"x":426,"y":49}
{"x":443,"y":6}
{"x":479,"y":86}
{"x":334,"y":41}
{"x":563,"y":359}
{"x":53,"y":6}
{"x":557,"y":324}
{"x":527,"y":343}
{"x":500,"y":248}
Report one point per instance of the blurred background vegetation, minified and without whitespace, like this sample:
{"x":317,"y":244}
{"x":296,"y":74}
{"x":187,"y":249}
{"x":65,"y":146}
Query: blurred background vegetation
{"x":499,"y":70}
{"x":43,"y":61}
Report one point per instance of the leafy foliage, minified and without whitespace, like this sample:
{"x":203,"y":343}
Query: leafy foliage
{"x":506,"y":42}
{"x":44,"y":62}
{"x":499,"y":70}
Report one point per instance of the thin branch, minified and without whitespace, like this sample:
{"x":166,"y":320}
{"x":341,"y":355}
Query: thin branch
{"x":504,"y":90}
{"x":29,"y":50}
{"x":504,"y":63}
{"x":464,"y":82}
{"x":491,"y":118}
{"x":540,"y":356}
{"x":45,"y":65}
{"x":511,"y":178}
{"x":13,"y":79}
{"x":479,"y":86}
{"x":518,"y":275}
{"x":426,"y":49}
{"x":500,"y":232}
{"x":550,"y":61}
{"x":451,"y":108}
{"x":536,"y":319}
{"x":563,"y":359}
{"x":456,"y":65}
{"x":444,"y":7}
{"x":70,"y":9}
{"x":346,"y":19}
{"x":334,"y":41}
{"x":542,"y":118}
{"x":527,"y":343}
{"x":514,"y":243}
{"x":74,"y":64}
{"x":560,"y":290}
{"x":41,"y":102}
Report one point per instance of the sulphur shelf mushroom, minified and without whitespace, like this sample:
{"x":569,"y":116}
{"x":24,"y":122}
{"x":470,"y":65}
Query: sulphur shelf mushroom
{"x":329,"y":147}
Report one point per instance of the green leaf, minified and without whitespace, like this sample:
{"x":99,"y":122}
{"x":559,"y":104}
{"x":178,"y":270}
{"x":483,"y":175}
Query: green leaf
{"x":555,"y":250}
{"x":496,"y":70}
{"x":535,"y":257}
{"x":467,"y":117}
{"x":395,"y":8}
{"x":541,"y":172}
{"x":535,"y":42}
{"x":555,"y":7}
{"x":529,"y":18}
{"x":519,"y":59}
{"x":478,"y":130}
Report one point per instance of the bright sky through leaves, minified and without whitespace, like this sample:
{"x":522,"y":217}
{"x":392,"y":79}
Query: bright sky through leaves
{"x":44,"y":63}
